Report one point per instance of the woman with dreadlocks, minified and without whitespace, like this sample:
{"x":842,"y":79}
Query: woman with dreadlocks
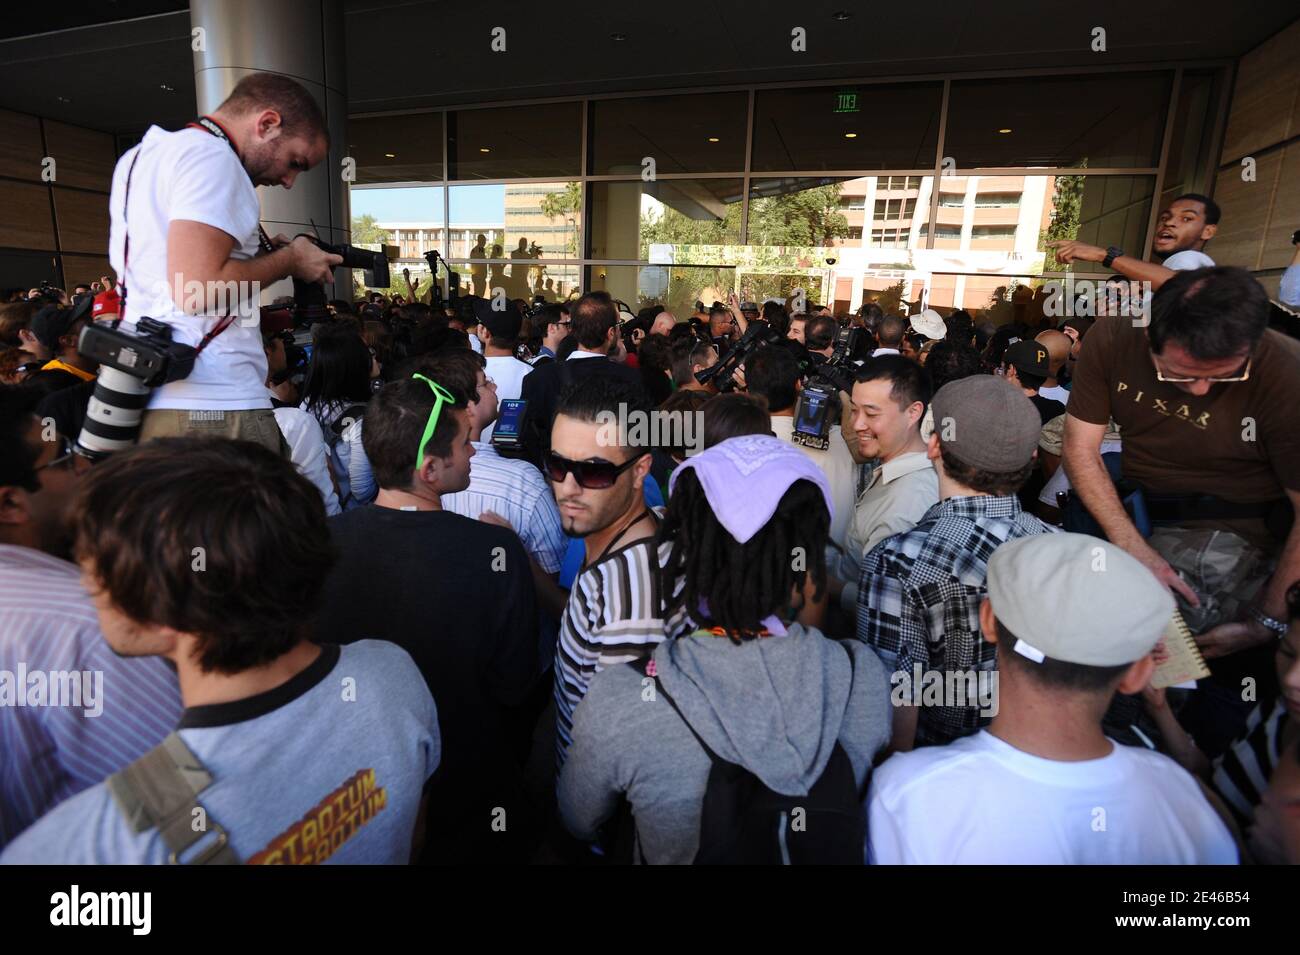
{"x":750,"y":737}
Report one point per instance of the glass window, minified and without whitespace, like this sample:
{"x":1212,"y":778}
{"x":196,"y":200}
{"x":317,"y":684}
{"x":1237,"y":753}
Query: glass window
{"x":515,"y":142}
{"x":864,"y":127}
{"x":396,"y":148}
{"x":981,"y":252}
{"x":677,"y":220}
{"x":803,"y":235}
{"x":698,"y":133}
{"x":511,"y":222}
{"x":676,"y":287}
{"x":554,"y":283}
{"x":1096,"y":121}
{"x":408,"y":216}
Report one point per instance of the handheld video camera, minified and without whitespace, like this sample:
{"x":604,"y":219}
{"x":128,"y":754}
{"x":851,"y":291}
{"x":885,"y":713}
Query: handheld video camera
{"x":818,"y":406}
{"x":723,"y":374}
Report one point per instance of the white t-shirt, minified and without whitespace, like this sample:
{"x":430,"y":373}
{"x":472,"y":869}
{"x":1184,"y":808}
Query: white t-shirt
{"x":1056,"y":394}
{"x":308,"y":453}
{"x":509,"y":374}
{"x":1188,"y":259}
{"x":189,"y":174}
{"x":981,"y":801}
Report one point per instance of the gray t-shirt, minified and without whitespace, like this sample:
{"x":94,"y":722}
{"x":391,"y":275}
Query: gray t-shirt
{"x":328,"y":767}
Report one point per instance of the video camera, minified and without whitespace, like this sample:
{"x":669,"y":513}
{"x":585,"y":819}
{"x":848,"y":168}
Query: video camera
{"x":818,"y":405}
{"x":723,"y":374}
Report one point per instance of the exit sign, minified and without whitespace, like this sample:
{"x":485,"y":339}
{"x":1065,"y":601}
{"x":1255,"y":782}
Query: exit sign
{"x":846,"y":102}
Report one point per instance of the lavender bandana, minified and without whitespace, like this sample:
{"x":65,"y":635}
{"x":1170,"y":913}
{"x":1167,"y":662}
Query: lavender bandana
{"x":745,"y":478}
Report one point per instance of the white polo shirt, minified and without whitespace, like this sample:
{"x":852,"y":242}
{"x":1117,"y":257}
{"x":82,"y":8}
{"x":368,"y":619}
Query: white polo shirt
{"x":189,"y":174}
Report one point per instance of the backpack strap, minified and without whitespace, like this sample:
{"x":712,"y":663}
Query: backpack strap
{"x":159,"y":791}
{"x":713,"y":757}
{"x":351,"y":414}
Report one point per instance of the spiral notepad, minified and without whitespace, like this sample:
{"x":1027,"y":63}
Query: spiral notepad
{"x":1185,"y":663}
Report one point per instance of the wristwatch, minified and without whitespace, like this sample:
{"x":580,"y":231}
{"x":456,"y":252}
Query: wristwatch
{"x":1272,"y":623}
{"x":1112,"y":253}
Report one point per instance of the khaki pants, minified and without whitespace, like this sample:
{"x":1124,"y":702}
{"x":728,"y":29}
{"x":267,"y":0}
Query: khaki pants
{"x":257,"y":426}
{"x":1225,"y":570}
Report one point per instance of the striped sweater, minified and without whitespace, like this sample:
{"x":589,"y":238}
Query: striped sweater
{"x":614,"y":616}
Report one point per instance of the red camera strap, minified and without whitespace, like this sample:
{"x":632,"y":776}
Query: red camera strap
{"x":212,"y":127}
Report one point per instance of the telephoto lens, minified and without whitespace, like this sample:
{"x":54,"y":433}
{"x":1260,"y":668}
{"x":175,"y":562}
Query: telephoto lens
{"x":132,"y":362}
{"x":113,"y":414}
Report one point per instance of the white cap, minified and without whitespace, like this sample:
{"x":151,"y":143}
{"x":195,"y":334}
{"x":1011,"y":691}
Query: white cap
{"x":1077,"y":599}
{"x":930,"y":324}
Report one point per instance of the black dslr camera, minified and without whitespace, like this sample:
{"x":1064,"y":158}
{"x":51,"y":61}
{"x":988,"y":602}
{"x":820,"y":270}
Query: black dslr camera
{"x":309,"y":297}
{"x":131,"y":364}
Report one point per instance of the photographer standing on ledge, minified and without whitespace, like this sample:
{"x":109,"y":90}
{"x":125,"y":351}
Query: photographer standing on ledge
{"x":185,"y":240}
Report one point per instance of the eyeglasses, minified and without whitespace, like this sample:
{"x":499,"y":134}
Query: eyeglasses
{"x":593,"y":475}
{"x":1243,"y":375}
{"x":441,"y":396}
{"x":66,"y":457}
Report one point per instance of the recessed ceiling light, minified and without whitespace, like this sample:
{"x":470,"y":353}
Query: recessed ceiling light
{"x":618,"y":37}
{"x":841,"y":15}
{"x":713,"y":139}
{"x":390,"y":155}
{"x":1004,"y":130}
{"x":484,"y":149}
{"x":850,"y":135}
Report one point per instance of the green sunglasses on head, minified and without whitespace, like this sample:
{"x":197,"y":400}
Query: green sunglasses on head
{"x":441,"y":396}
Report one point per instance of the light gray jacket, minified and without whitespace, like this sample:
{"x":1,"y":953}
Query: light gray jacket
{"x":775,"y":705}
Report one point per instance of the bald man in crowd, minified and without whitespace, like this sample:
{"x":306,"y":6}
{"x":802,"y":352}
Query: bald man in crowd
{"x":1058,"y":353}
{"x":664,"y":323}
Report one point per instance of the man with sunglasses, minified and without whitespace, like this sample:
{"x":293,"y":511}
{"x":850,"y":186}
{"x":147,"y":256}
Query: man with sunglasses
{"x":1204,"y":398}
{"x":457,"y":595}
{"x":48,"y":624}
{"x":614,"y":613}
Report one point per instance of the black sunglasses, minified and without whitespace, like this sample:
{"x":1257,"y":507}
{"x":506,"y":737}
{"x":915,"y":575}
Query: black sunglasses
{"x":593,"y":475}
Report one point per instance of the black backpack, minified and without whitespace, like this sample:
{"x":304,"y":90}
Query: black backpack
{"x":743,"y":822}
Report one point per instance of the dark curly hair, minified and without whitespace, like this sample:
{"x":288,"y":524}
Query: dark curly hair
{"x":741,"y":583}
{"x":249,"y":593}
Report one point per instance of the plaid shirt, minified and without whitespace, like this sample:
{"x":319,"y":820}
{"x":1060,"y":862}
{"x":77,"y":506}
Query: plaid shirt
{"x":920,"y":592}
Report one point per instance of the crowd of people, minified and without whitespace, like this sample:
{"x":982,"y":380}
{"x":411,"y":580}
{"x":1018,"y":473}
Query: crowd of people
{"x":430,"y":584}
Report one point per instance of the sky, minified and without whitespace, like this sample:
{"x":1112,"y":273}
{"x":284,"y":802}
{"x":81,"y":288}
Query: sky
{"x":479,"y":205}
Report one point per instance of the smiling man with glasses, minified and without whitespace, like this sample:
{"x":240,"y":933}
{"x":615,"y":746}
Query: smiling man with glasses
{"x":1205,"y":398}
